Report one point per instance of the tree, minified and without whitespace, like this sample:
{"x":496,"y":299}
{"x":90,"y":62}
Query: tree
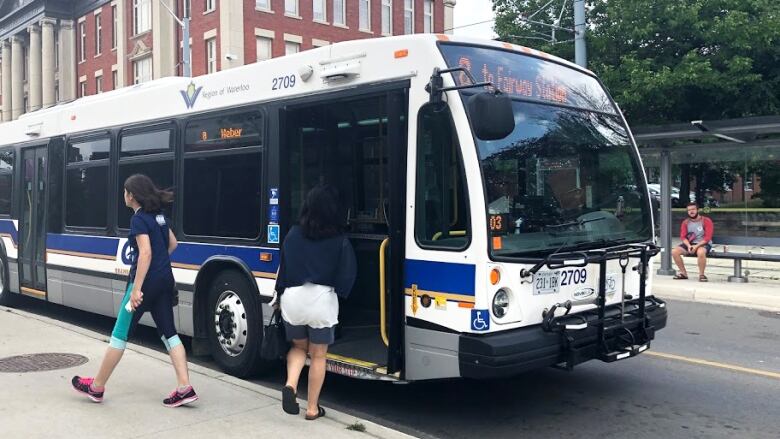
{"x":667,"y":60}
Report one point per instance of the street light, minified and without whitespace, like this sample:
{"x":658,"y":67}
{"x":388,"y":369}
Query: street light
{"x":185,"y":27}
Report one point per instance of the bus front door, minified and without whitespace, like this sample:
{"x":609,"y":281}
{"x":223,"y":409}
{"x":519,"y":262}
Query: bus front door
{"x":32,"y":223}
{"x":357,"y":143}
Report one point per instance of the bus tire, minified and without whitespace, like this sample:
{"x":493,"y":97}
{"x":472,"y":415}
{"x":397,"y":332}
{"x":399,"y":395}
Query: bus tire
{"x":6,"y":296}
{"x":234,"y":324}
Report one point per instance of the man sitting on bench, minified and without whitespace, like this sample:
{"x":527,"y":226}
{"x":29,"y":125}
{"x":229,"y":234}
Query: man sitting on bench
{"x":696,"y":235}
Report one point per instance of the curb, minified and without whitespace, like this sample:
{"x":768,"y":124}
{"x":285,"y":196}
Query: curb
{"x":760,"y":302}
{"x":372,"y":429}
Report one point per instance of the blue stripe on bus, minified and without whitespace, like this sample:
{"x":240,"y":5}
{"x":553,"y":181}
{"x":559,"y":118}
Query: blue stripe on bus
{"x":440,"y":276}
{"x":82,"y":244}
{"x":186,"y":253}
{"x":8,"y":227}
{"x":197,"y":254}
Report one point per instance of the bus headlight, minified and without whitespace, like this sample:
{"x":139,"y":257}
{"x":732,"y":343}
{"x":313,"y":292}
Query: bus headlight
{"x":500,"y":303}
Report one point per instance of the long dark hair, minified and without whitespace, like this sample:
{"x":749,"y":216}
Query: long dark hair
{"x":320,"y":213}
{"x":146,"y":193}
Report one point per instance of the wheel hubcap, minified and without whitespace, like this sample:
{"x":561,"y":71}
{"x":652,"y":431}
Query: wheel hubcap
{"x":230,"y":323}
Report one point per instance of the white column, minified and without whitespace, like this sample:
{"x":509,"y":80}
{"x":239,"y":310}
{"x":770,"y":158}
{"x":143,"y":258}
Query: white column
{"x":6,"y":66}
{"x":34,"y":84}
{"x":449,"y":15}
{"x":231,"y":27}
{"x":47,"y":63}
{"x":67,"y":60}
{"x":121,"y":43}
{"x":164,"y":29}
{"x":17,"y":78}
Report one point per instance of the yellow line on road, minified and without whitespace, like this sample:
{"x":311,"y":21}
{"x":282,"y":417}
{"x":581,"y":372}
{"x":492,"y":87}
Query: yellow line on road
{"x":764,"y":373}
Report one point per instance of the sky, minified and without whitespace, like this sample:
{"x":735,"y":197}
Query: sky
{"x":474,"y":11}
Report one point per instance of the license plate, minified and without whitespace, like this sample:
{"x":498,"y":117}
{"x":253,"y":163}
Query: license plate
{"x":547,"y":282}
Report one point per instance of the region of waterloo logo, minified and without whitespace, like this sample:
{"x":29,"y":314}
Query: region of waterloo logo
{"x":191,"y":94}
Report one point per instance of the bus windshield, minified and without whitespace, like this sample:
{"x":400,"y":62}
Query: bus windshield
{"x":567,"y":177}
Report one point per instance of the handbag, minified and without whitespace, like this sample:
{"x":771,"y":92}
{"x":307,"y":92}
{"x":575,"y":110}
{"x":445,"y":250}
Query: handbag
{"x":274,"y":345}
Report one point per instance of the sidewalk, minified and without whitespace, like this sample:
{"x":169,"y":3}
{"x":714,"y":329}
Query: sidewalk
{"x":42,"y":404}
{"x":763,"y":294}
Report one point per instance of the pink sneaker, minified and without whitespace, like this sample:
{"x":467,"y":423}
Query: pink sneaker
{"x":177,"y":398}
{"x":84,"y":386}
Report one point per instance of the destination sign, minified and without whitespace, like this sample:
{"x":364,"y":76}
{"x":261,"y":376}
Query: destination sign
{"x":229,"y":131}
{"x":527,"y":77}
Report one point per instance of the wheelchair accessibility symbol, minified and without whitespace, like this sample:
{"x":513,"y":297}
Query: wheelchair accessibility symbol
{"x":480,"y":320}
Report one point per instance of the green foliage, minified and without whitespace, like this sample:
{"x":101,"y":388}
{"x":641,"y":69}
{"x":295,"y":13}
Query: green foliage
{"x":668,"y":61}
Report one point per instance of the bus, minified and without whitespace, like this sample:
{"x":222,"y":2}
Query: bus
{"x":493,"y":194}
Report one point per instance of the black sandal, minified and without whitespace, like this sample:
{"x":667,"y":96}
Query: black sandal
{"x":680,"y":276}
{"x":289,"y":401}
{"x":320,"y":413}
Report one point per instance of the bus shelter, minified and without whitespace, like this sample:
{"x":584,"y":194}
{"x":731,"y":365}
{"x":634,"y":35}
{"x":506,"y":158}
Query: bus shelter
{"x":730,"y":168}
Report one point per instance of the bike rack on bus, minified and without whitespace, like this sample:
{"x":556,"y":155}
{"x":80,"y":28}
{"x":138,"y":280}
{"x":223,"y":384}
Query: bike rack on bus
{"x":612,"y":330}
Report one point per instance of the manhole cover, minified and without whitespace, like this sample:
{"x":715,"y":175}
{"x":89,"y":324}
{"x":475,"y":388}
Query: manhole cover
{"x":40,"y":362}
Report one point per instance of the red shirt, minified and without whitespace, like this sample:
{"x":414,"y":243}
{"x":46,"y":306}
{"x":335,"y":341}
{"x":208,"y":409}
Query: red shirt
{"x":708,"y":229}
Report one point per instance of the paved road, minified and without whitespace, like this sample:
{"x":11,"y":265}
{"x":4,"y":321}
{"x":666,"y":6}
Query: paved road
{"x":735,"y":394}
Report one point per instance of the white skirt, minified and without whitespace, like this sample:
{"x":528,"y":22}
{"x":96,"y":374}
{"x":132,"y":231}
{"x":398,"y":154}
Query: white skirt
{"x":312,"y":305}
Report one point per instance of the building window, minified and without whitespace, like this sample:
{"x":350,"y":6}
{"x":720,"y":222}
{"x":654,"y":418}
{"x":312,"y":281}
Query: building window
{"x":115,"y":79}
{"x":142,"y":16}
{"x":428,"y":20}
{"x":291,"y":47}
{"x":82,"y":89}
{"x":749,"y":180}
{"x":99,"y":84}
{"x":339,"y":12}
{"x":387,"y":17}
{"x":56,"y":50}
{"x":319,"y":10}
{"x":264,"y":48}
{"x":211,"y":55}
{"x":142,"y":70}
{"x":408,"y":16}
{"x":57,"y":92}
{"x":365,"y":14}
{"x":188,"y":8}
{"x":83,"y":46}
{"x":98,"y":35}
{"x":211,"y":5}
{"x":26,"y":104}
{"x":291,"y":7}
{"x":263,"y":4}
{"x":115,"y":28}
{"x":25,"y":62}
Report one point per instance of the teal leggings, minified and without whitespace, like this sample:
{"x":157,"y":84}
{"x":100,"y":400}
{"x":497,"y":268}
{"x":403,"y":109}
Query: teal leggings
{"x":159,"y":303}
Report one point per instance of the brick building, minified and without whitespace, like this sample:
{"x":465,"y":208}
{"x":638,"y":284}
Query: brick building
{"x":59,"y":50}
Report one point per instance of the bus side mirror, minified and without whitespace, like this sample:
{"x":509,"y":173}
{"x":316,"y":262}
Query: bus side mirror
{"x":491,"y":115}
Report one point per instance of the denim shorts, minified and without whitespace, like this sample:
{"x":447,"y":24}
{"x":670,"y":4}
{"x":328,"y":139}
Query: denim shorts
{"x":315,"y":335}
{"x":707,"y":246}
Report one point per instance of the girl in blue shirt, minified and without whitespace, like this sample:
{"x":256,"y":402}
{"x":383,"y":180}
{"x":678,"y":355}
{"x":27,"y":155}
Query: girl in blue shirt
{"x":150,"y":288}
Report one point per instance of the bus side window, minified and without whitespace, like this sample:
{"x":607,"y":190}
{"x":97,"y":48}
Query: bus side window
{"x":441,"y":212}
{"x":6,"y":180}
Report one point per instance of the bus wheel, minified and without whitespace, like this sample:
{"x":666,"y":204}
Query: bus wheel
{"x":6,"y":297}
{"x":234,"y":324}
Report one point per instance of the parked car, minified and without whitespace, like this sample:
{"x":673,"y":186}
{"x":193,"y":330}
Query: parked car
{"x":655,"y":192}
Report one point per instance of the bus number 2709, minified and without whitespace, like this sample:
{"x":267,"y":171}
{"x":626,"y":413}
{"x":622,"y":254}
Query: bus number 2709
{"x":283,"y":82}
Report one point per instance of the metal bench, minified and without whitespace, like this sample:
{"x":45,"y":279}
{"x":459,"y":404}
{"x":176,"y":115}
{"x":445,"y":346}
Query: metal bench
{"x":738,"y":258}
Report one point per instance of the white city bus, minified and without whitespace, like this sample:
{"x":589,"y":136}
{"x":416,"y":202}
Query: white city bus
{"x":493,"y":194}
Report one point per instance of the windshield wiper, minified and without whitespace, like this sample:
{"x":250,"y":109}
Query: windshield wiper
{"x":574,"y":223}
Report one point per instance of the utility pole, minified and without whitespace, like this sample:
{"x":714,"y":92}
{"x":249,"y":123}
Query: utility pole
{"x":580,"y":51}
{"x":185,"y":34}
